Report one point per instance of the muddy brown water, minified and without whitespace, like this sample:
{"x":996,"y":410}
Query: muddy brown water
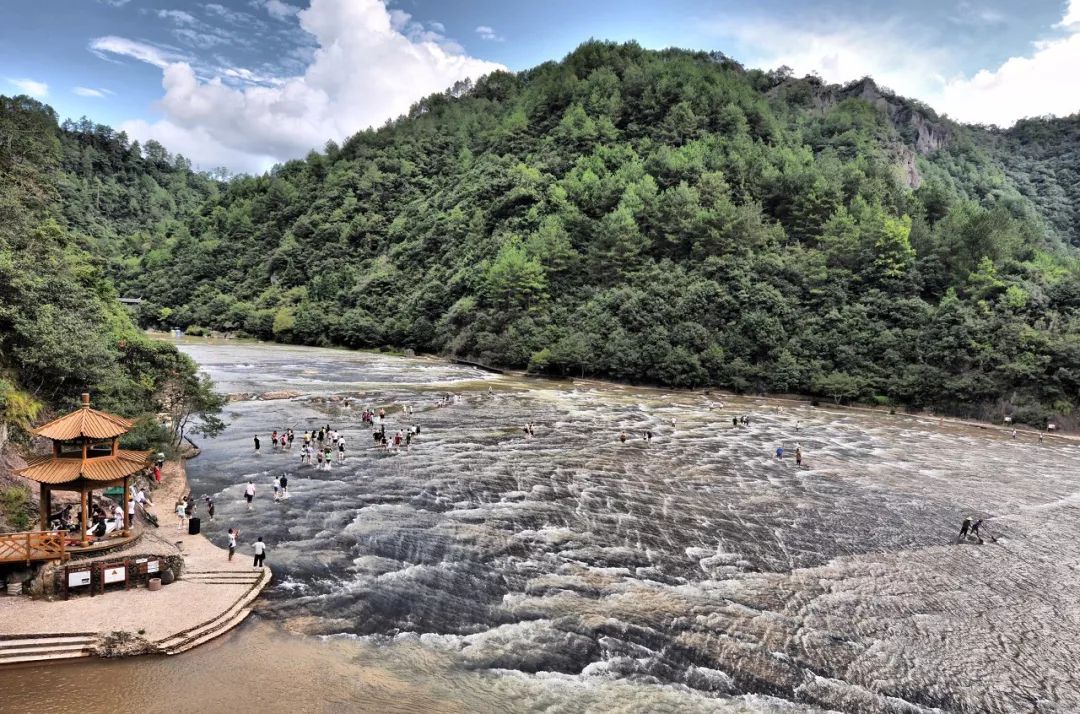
{"x":485,"y":570}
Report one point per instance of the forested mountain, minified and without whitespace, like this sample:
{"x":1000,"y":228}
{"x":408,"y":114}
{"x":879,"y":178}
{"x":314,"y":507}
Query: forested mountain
{"x":664,"y":217}
{"x":68,"y":197}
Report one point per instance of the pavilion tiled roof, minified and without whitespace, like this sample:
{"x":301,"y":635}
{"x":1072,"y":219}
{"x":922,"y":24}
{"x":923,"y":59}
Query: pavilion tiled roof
{"x":85,"y":422}
{"x":53,"y":470}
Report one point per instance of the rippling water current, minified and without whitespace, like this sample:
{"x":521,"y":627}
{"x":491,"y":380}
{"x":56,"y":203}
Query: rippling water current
{"x":570,"y":571}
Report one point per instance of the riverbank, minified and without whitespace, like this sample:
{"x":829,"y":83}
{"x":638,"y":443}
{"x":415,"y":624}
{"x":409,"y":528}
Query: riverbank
{"x":211,"y":597}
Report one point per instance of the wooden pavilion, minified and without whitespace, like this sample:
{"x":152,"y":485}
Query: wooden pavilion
{"x":85,"y":457}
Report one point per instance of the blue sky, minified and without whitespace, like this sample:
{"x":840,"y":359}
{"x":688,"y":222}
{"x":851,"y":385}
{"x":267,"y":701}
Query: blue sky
{"x":246,"y":83}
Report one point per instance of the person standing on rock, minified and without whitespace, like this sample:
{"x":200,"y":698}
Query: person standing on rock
{"x":210,"y":507}
{"x":249,"y":493}
{"x":260,"y":553}
{"x":284,"y":481}
{"x":256,"y":443}
{"x":233,"y":533}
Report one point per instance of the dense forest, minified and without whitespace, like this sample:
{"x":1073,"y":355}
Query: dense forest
{"x":662,"y":217}
{"x":67,"y":196}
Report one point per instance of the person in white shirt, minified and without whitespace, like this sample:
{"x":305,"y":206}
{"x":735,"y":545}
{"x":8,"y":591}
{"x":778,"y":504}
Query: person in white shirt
{"x":249,"y":493}
{"x":118,"y":516}
{"x":260,"y":553}
{"x":233,"y":533}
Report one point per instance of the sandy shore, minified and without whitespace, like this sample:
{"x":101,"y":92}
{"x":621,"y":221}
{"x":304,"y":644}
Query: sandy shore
{"x":153,"y":615}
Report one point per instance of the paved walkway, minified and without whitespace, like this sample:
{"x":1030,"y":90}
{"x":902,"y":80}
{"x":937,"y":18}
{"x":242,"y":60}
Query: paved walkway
{"x":188,"y":603}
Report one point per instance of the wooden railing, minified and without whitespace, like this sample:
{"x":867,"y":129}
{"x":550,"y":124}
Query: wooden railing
{"x":29,"y":546}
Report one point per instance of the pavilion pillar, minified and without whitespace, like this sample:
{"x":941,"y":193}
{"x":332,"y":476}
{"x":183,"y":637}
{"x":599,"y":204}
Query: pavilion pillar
{"x":45,"y":507}
{"x":82,"y":516}
{"x":127,"y":506}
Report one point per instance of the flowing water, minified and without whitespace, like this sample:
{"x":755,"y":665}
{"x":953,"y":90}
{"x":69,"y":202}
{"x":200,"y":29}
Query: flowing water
{"x":485,"y":570}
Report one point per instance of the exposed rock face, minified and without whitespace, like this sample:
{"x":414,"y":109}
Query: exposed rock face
{"x":921,"y":131}
{"x":924,"y":133}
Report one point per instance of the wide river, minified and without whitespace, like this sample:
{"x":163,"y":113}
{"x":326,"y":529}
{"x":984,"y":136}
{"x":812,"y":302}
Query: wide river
{"x":484,"y":570}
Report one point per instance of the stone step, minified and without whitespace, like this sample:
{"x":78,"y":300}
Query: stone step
{"x":27,"y":641}
{"x":179,"y":641}
{"x":221,"y":629}
{"x":43,"y":648}
{"x":232,"y":571}
{"x":43,"y":657}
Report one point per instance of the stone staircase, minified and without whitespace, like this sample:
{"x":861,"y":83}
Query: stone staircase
{"x":15,"y":649}
{"x":256,"y":580}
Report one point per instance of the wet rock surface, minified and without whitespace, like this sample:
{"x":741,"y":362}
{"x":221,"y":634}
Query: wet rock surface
{"x":697,"y":562}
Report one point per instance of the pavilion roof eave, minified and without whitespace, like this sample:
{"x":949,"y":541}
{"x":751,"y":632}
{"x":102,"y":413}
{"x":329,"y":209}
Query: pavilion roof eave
{"x":60,"y":473}
{"x":84,"y":422}
{"x":82,"y":484}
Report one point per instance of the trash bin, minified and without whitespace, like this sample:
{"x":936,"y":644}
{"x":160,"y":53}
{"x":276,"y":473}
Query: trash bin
{"x":193,"y":526}
{"x":153,"y":584}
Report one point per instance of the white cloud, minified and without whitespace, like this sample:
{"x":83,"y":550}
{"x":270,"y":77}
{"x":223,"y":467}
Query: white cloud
{"x":31,"y":87}
{"x":114,"y":3}
{"x":437,"y":26}
{"x":488,"y":33}
{"x":1072,"y":14}
{"x":91,"y":92}
{"x":178,"y":16}
{"x":1042,"y":82}
{"x":280,"y":10}
{"x":151,"y":54}
{"x":843,"y":52}
{"x":238,"y":18}
{"x":369,"y":66}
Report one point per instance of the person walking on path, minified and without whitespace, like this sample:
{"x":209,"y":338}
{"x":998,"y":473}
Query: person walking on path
{"x":260,"y":553}
{"x":249,"y":493}
{"x":233,"y":533}
{"x":181,"y":508}
{"x":284,"y":481}
{"x":798,"y":456}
